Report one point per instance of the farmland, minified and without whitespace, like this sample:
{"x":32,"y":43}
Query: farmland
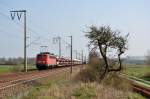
{"x":140,"y":71}
{"x":14,"y":68}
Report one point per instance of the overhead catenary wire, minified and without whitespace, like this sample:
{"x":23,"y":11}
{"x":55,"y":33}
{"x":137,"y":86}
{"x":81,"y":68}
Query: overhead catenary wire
{"x":33,"y":42}
{"x":8,"y":34}
{"x":34,"y":34}
{"x":20,"y":25}
{"x":29,"y":29}
{"x":33,"y":31}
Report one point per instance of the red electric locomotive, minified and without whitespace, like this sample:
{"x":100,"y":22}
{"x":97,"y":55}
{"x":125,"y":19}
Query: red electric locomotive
{"x":45,"y":60}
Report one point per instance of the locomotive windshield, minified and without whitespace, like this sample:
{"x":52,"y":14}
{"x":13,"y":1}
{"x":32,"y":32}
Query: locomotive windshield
{"x":41,"y":56}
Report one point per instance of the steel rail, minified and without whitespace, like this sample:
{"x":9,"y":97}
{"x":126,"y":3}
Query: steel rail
{"x":29,"y":79}
{"x":139,"y":85}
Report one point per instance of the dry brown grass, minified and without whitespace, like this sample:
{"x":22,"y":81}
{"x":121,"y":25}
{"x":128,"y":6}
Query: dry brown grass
{"x":118,"y":82}
{"x":112,"y":79}
{"x":66,"y":87}
{"x":81,"y":91}
{"x":91,"y":73}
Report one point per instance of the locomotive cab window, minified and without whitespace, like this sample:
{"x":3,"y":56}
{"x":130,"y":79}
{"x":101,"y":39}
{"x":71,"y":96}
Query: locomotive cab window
{"x":41,"y":56}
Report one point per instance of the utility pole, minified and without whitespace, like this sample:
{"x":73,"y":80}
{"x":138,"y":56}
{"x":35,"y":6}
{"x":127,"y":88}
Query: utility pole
{"x":71,"y":52}
{"x":76,"y":54}
{"x":82,"y":56}
{"x":58,"y":39}
{"x":82,"y":59}
{"x":85,"y":59}
{"x":19,"y":13}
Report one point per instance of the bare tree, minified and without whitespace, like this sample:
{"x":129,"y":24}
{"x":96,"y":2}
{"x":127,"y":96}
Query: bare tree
{"x":119,"y":43}
{"x":105,"y":38}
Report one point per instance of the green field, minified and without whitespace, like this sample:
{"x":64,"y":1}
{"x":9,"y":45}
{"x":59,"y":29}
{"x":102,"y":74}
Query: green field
{"x":4,"y":69}
{"x":14,"y":68}
{"x":140,"y":71}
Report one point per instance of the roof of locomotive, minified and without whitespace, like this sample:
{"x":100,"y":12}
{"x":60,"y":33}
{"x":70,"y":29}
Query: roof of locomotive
{"x":50,"y":54}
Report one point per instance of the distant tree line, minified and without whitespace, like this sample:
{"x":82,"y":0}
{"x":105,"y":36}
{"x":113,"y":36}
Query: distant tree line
{"x":129,"y":61}
{"x":15,"y":61}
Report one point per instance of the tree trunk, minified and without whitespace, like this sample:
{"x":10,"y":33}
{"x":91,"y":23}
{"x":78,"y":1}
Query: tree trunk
{"x":120,"y":64}
{"x":105,"y":60}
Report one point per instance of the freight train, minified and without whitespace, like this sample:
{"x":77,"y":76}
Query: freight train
{"x":45,"y":60}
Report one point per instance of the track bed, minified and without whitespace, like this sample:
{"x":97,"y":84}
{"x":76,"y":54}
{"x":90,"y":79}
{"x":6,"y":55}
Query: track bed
{"x":12,"y":83}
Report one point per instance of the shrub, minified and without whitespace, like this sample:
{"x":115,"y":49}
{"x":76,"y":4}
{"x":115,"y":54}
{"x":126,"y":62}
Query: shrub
{"x":91,"y":72}
{"x":86,"y":75}
{"x":116,"y":81}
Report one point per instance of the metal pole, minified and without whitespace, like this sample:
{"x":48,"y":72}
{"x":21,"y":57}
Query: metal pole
{"x":59,"y":46}
{"x":71,"y":53}
{"x":25,"y":37}
{"x":58,"y":40}
{"x":76,"y":54}
{"x":25,"y":41}
{"x":82,"y":59}
{"x":85,"y":59}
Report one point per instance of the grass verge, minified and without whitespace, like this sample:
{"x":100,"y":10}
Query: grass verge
{"x":64,"y":86}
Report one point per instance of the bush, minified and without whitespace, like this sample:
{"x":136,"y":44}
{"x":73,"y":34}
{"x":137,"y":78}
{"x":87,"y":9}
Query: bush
{"x":86,"y":75}
{"x":116,"y":81}
{"x":91,"y":72}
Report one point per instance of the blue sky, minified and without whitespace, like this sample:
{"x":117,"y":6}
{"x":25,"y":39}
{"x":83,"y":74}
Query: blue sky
{"x":50,"y":18}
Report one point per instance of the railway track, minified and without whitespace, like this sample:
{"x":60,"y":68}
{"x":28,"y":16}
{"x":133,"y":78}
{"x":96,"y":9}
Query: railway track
{"x":16,"y":83}
{"x":142,"y":90}
{"x":139,"y":85}
{"x":13,"y":76}
{"x":30,"y":77}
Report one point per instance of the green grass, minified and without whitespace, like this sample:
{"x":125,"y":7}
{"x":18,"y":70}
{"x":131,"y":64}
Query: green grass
{"x":135,"y":96}
{"x":85,"y":92}
{"x":63,"y":86}
{"x":14,"y":68}
{"x":138,"y":71}
{"x":49,"y":89}
{"x":5,"y":69}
